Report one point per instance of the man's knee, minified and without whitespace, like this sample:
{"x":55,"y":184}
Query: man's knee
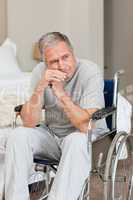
{"x":18,"y":136}
{"x":75,"y":140}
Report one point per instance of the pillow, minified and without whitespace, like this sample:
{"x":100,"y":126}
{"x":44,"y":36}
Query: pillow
{"x":10,"y":43}
{"x":8,"y":62}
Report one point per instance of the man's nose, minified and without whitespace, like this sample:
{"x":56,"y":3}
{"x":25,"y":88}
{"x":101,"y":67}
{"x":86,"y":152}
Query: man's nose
{"x":61,"y":64}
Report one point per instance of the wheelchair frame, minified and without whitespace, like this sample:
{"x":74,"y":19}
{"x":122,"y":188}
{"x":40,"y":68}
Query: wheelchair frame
{"x":113,"y":154}
{"x":109,"y":161}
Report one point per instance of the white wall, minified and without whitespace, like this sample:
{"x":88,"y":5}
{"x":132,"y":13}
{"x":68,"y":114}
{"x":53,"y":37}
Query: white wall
{"x":3,"y":20}
{"x":119,"y":41}
{"x":81,"y":20}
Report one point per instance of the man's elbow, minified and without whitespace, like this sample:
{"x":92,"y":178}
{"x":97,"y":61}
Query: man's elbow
{"x":29,"y":122}
{"x":29,"y":125}
{"x":83,"y":127}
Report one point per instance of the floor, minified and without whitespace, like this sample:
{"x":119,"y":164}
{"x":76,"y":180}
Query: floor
{"x":120,"y":186}
{"x":97,"y":184}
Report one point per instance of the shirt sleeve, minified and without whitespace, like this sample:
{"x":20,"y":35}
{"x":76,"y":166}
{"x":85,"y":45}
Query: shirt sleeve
{"x":36,"y":76}
{"x":92,"y":96}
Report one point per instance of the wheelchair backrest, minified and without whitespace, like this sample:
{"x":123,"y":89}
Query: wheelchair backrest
{"x":102,"y":145}
{"x":110,"y":96}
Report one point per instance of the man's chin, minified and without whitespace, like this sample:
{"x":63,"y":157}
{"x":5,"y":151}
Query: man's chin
{"x":68,"y":78}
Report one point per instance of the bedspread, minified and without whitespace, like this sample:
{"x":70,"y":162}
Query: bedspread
{"x":13,"y":91}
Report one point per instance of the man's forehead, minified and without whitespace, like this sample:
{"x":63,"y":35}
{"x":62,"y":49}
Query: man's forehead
{"x":56,"y":46}
{"x":57,"y":51}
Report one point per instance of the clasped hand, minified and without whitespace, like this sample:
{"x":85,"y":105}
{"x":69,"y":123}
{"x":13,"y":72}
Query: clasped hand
{"x":55,"y":79}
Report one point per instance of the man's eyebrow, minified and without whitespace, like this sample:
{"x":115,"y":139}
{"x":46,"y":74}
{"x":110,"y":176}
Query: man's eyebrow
{"x":54,"y":60}
{"x":65,"y":55}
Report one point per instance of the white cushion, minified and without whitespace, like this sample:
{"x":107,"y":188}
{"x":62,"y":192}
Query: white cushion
{"x":8,"y":62}
{"x":9,"y":42}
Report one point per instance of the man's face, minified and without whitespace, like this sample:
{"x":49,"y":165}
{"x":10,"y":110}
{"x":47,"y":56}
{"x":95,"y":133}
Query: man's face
{"x":60,"y":57}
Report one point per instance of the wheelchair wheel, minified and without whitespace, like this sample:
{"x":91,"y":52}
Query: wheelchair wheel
{"x":84,"y":195}
{"x":38,"y":190}
{"x":41,"y":183}
{"x":122,"y":170}
{"x":117,"y":179}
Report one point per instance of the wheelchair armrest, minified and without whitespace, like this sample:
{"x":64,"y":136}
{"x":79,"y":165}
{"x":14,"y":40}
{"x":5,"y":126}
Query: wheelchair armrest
{"x":103,"y":113}
{"x":18,"y":108}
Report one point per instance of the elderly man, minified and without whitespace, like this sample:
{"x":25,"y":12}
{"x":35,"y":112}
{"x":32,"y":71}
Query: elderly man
{"x":70,"y":90}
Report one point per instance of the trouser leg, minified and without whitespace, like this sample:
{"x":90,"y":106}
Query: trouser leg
{"x":73,"y":169}
{"x":1,"y":175}
{"x":21,"y":145}
{"x":3,"y":137}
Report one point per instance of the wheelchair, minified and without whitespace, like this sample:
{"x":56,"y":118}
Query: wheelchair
{"x":105,"y":154}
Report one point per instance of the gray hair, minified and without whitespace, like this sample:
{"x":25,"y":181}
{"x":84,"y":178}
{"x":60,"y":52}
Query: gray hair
{"x":51,"y":39}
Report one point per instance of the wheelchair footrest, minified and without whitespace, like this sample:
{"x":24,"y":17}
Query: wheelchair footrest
{"x":45,"y":161}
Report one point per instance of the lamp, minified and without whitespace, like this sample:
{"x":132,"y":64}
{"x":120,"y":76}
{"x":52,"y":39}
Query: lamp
{"x":36,"y":52}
